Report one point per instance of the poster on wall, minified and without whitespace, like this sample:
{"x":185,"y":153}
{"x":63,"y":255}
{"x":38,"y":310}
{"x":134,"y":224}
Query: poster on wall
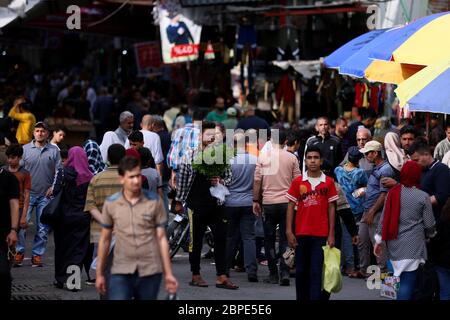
{"x":148,"y":57}
{"x":180,"y":36}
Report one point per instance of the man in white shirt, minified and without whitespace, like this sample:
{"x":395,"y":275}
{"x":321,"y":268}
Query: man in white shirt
{"x":119,"y":136}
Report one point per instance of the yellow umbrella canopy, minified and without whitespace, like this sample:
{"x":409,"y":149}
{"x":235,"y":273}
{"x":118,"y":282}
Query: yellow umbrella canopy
{"x":430,"y":44}
{"x":428,"y":90}
{"x":390,"y":71}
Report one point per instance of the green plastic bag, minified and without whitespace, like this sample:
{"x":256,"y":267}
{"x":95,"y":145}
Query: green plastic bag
{"x":332,"y":277}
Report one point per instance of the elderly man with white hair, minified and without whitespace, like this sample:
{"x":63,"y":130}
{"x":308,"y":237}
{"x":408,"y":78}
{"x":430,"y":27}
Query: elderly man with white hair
{"x":363,"y":135}
{"x":126,"y":120}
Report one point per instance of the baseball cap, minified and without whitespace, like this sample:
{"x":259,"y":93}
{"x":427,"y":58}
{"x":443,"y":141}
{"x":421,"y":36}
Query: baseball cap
{"x":371,"y":146}
{"x":231,"y":111}
{"x":41,"y":124}
{"x":353,"y":152}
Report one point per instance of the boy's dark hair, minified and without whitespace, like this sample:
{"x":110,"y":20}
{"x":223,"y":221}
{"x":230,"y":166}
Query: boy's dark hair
{"x":313,"y":149}
{"x":115,"y":153}
{"x":14,"y":150}
{"x":136,"y":136}
{"x":128,"y":163}
{"x":58,"y":128}
{"x":292,"y":138}
{"x":64,"y":153}
{"x":408,"y":129}
{"x":282,"y":136}
{"x":146,"y":158}
{"x":208,"y":125}
{"x":420,"y":147}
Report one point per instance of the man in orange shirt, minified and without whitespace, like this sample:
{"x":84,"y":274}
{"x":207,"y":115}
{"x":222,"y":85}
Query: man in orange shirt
{"x":14,"y":154}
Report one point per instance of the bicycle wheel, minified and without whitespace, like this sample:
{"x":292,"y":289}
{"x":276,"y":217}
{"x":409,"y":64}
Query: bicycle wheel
{"x":174,"y":234}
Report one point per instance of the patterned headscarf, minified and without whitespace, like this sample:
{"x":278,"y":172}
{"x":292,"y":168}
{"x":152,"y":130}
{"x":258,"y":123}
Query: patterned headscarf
{"x":94,"y":156}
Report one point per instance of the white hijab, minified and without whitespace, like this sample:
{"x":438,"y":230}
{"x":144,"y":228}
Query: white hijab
{"x":395,"y":154}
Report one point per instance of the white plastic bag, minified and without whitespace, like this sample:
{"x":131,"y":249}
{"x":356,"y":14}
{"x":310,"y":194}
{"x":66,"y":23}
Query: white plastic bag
{"x":219,"y":192}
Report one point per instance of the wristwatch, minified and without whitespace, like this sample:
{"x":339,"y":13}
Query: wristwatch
{"x":15,"y":229}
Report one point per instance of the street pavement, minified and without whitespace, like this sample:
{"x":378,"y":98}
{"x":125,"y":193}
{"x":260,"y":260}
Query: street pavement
{"x":37,"y":283}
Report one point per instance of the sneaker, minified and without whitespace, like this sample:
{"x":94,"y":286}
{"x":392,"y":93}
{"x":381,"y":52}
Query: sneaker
{"x":90,"y":282}
{"x":19,"y":259}
{"x":36,"y":261}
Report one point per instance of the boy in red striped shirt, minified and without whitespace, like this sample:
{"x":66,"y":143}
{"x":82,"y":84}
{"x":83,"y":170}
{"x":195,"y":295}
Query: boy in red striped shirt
{"x":315,"y":196}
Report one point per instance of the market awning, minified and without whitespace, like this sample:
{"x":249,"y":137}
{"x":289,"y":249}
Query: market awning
{"x":14,"y":9}
{"x":308,"y":69}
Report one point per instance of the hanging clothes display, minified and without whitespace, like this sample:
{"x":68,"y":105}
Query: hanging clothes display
{"x":286,"y":97}
{"x":246,"y":52}
{"x":288,"y":48}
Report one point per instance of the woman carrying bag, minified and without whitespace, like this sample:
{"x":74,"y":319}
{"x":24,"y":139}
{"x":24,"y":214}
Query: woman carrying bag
{"x":406,"y":222}
{"x":71,"y":231}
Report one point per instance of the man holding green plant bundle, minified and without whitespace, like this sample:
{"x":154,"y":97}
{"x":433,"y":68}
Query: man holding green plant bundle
{"x":197,"y":174}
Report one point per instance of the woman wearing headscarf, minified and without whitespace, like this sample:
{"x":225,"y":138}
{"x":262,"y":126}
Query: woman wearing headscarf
{"x":406,"y":222}
{"x":395,"y":154}
{"x":71,"y":232}
{"x":94,"y":156}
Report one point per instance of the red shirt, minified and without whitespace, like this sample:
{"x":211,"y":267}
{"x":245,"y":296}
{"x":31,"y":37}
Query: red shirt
{"x":312,"y":205}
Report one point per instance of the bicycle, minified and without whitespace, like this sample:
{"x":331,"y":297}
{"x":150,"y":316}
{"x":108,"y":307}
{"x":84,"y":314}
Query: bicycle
{"x":178,"y":232}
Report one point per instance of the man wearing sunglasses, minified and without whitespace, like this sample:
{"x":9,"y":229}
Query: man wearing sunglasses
{"x":9,"y":224}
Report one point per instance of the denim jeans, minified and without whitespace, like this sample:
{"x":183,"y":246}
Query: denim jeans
{"x":408,"y":281}
{"x":129,"y":286}
{"x":275,"y":214}
{"x":41,"y":237}
{"x":241,"y":227}
{"x":444,"y":282}
{"x":309,"y":266}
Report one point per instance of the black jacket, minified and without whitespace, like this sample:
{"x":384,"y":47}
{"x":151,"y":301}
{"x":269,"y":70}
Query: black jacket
{"x":331,"y":151}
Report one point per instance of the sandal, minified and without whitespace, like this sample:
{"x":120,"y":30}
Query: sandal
{"x":227,"y":285}
{"x":198,"y":283}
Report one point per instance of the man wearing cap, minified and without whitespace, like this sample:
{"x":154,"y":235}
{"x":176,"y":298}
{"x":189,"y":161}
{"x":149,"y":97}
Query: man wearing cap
{"x":42,"y":160}
{"x":373,"y":203}
{"x":231,"y":122}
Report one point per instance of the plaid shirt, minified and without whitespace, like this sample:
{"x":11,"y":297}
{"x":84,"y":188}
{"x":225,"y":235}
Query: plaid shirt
{"x":184,"y":139}
{"x":186,"y":175}
{"x":94,"y":156}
